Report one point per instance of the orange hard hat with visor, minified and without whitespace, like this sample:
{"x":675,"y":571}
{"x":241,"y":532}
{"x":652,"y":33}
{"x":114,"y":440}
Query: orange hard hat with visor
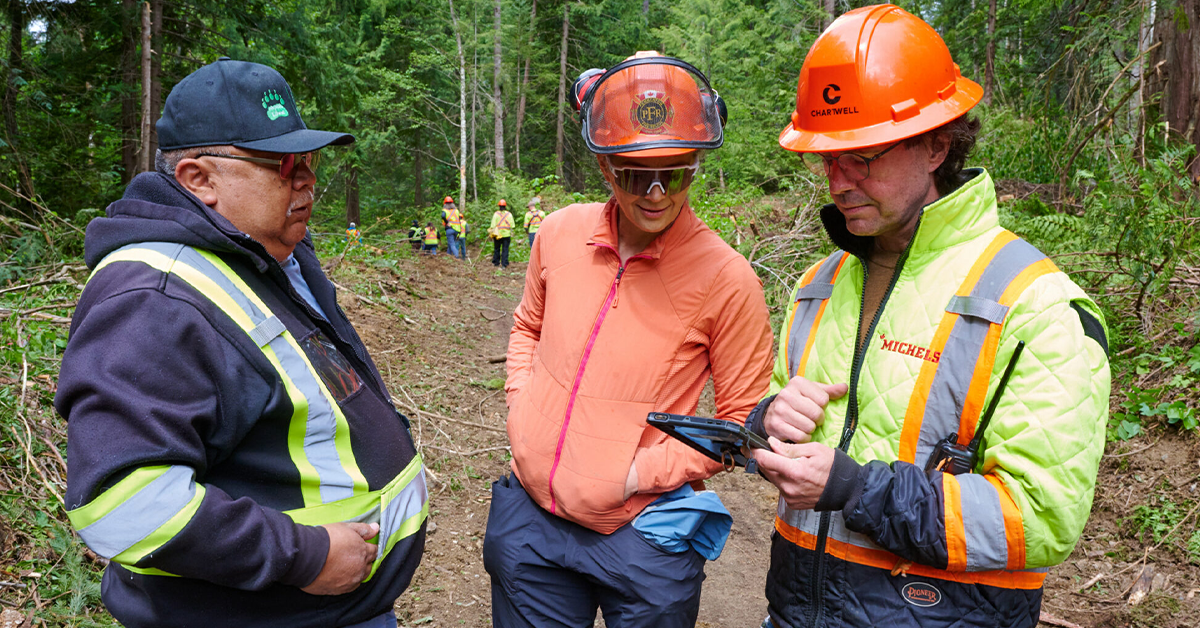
{"x":649,"y":105}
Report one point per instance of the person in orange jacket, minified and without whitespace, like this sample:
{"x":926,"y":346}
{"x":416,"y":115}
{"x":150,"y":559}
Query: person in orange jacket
{"x":629,"y":307}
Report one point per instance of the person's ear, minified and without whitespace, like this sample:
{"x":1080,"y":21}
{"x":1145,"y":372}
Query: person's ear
{"x":939,"y":147}
{"x":197,"y":177}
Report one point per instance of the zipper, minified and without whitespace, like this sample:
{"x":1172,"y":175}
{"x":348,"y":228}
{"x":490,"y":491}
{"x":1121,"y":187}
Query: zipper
{"x":860,"y":354}
{"x":609,"y":302}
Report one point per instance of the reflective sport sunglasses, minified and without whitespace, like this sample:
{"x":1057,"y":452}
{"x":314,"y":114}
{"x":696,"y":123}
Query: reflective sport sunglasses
{"x":855,"y":167}
{"x":638,"y":180}
{"x":286,"y":164}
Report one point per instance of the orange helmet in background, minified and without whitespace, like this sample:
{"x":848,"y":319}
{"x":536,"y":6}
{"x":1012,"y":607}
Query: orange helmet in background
{"x":648,"y":105}
{"x":503,"y":203}
{"x":877,"y":75}
{"x":447,"y":200}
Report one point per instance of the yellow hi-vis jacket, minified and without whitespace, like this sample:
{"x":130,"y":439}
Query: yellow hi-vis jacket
{"x":502,"y":224}
{"x":965,"y":292}
{"x":533,"y":220}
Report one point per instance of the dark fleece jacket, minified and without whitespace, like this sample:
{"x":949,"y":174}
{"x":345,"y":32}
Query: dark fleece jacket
{"x":156,"y":374}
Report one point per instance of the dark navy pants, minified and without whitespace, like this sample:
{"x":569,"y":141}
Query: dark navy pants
{"x":500,"y":251}
{"x":547,"y":571}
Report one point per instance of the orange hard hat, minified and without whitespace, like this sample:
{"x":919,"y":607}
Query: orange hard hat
{"x":648,"y":105}
{"x":447,"y":200}
{"x":503,"y":203}
{"x":877,"y":75}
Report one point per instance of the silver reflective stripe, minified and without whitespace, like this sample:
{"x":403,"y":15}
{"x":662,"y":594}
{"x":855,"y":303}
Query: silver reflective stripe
{"x":983,"y":521}
{"x":321,"y":424}
{"x":400,"y":508}
{"x":143,"y":513}
{"x":808,"y":303}
{"x":810,"y":521}
{"x":952,"y":380}
{"x":266,"y":331}
{"x":978,"y":307}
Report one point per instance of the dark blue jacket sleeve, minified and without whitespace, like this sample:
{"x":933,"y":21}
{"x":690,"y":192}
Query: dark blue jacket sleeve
{"x":898,"y":506}
{"x":148,"y":381}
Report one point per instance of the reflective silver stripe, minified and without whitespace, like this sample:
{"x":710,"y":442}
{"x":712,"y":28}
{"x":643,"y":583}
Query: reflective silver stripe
{"x":400,"y":508}
{"x":266,"y":331}
{"x":142,"y":513}
{"x":986,"y":557}
{"x":810,"y":521}
{"x":952,"y":380}
{"x":321,"y":424}
{"x":983,"y":521}
{"x":978,"y":307}
{"x":808,"y":303}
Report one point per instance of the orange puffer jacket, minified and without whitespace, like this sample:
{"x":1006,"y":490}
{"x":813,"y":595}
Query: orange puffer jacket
{"x":595,"y":347}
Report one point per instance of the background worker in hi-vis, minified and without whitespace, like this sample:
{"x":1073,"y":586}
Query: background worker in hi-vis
{"x":234,"y":452}
{"x":629,"y":307}
{"x":908,"y":507}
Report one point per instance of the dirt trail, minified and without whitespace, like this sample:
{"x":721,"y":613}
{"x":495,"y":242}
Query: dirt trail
{"x":432,"y":326}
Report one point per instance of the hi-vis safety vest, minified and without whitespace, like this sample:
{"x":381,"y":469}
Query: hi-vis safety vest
{"x":151,"y":505}
{"x":533,"y":221}
{"x":431,"y":236}
{"x":502,"y":224}
{"x":984,"y":536}
{"x":454,"y":219}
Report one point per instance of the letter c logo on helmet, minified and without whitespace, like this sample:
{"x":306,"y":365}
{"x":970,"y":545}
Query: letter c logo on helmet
{"x":831,"y":88}
{"x":903,"y":85}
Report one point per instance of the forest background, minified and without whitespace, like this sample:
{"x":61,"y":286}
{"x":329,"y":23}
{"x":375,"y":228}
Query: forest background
{"x":1090,"y":114}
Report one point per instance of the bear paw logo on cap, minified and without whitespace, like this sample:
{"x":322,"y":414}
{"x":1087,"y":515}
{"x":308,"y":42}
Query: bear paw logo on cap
{"x":273,"y":103}
{"x":651,"y":111}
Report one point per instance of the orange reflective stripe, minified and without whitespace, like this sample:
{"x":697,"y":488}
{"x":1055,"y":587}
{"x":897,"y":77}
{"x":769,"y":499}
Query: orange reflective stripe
{"x":956,"y":534}
{"x":915,"y":413}
{"x":812,"y":334}
{"x":882,"y":559}
{"x":805,"y":279}
{"x":1014,"y":526}
{"x":977,"y":393}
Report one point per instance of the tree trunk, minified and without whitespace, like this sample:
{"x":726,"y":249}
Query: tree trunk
{"x":474,"y":107}
{"x":462,"y":109}
{"x":144,"y":153}
{"x":525,"y":82}
{"x":562,"y":92}
{"x":156,"y":45}
{"x":497,"y":101}
{"x":12,"y":133}
{"x":1178,"y":79}
{"x":989,"y":68}
{"x":418,"y":171}
{"x":130,"y":124}
{"x":830,"y":14}
{"x":352,"y":206}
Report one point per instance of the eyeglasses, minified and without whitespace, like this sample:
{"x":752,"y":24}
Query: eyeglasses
{"x":855,"y":167}
{"x":638,"y":180}
{"x":287,"y":164}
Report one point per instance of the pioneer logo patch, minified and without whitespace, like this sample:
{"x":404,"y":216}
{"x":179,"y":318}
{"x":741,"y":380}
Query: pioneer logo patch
{"x":921,"y":594}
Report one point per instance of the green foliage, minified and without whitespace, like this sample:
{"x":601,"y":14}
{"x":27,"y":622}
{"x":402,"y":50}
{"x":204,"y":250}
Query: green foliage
{"x":1153,"y":523}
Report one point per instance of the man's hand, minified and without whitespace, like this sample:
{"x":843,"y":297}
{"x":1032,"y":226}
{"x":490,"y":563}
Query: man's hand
{"x":631,"y":481}
{"x":798,"y":471}
{"x":799,"y":408}
{"x":349,"y":560}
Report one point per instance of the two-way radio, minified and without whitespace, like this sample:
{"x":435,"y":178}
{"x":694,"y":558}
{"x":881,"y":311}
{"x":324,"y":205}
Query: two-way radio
{"x":948,"y":455}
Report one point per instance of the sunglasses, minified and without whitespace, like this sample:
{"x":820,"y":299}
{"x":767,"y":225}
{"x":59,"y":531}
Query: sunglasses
{"x":638,"y":180}
{"x":287,"y":164}
{"x":854,"y":167}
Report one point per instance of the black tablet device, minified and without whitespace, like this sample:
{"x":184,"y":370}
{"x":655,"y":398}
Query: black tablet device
{"x":718,"y":439}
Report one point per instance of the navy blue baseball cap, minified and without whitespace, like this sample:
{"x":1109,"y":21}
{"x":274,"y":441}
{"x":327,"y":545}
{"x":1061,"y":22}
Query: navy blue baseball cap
{"x":238,"y":103}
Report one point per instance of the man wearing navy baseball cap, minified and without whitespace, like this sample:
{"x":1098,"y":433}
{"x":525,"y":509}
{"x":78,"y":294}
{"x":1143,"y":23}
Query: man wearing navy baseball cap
{"x":234,"y":451}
